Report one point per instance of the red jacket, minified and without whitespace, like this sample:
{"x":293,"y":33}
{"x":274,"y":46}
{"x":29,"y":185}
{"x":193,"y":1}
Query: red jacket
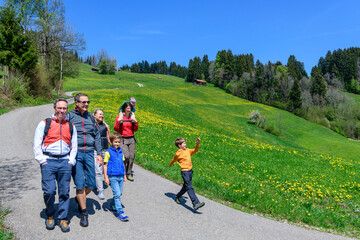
{"x":127,"y":129}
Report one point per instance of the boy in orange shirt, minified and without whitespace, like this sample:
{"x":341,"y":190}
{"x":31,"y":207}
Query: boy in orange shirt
{"x":183,"y":156}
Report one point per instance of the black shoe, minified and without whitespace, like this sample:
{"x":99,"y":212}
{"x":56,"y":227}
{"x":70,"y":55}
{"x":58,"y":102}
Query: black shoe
{"x":199,"y":205}
{"x":84,"y":222}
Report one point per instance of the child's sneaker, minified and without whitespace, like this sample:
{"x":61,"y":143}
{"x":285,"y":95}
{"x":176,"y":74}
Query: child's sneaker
{"x":199,"y":205}
{"x":178,"y":200}
{"x":123,"y":217}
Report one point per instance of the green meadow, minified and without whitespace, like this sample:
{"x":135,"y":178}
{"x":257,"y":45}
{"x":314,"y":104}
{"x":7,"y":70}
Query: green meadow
{"x":308,"y":175}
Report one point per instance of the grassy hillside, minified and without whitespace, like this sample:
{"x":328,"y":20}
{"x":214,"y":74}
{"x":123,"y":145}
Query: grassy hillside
{"x":309,"y":174}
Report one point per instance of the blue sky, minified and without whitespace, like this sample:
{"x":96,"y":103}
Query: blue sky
{"x":133,"y":31}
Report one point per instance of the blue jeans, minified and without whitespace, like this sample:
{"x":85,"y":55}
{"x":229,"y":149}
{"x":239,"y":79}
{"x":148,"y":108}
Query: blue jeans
{"x":59,"y":171}
{"x":187,"y":187}
{"x":84,"y":171}
{"x":117,"y":183}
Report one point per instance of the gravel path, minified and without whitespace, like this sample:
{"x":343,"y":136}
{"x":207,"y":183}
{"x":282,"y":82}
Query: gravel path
{"x":148,"y":201}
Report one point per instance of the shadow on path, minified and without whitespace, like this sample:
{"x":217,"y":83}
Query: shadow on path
{"x":172,"y":196}
{"x":15,"y":176}
{"x":91,"y":205}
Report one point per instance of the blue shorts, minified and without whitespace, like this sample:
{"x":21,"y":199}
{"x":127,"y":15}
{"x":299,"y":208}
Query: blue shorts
{"x":84,"y":171}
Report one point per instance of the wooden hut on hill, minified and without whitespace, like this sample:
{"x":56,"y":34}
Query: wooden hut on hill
{"x":199,"y":82}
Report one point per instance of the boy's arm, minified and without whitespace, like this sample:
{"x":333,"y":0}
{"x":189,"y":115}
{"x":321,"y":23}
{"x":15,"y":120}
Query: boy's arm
{"x":192,"y":151}
{"x":173,"y":160}
{"x":106,"y":178}
{"x":106,"y":160}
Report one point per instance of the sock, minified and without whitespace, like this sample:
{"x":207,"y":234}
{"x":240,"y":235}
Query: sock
{"x":83,"y":211}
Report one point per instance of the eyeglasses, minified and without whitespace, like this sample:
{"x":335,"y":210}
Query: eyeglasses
{"x":84,"y":102}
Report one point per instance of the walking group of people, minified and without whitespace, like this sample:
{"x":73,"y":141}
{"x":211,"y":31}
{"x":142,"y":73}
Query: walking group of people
{"x":76,"y":144}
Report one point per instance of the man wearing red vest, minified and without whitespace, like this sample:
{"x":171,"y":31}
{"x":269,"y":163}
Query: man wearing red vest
{"x":55,"y":148}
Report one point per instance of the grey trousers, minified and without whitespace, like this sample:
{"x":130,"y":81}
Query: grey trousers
{"x":99,"y":172}
{"x":128,"y":147}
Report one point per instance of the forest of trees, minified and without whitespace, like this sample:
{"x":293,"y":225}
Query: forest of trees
{"x":343,"y":65}
{"x":318,"y":98}
{"x":160,"y":67}
{"x":37,"y":47}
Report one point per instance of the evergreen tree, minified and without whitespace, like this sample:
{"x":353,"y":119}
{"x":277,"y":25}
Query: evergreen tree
{"x":296,"y":69}
{"x":194,"y":69}
{"x":205,"y":63}
{"x":17,"y":51}
{"x":295,"y":97}
{"x":318,"y":85}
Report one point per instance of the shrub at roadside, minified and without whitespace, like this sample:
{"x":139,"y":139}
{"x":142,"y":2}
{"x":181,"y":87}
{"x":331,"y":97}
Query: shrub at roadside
{"x":5,"y":233}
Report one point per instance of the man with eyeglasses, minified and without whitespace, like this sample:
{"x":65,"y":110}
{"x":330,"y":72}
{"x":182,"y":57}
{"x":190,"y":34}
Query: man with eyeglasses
{"x":88,"y":140}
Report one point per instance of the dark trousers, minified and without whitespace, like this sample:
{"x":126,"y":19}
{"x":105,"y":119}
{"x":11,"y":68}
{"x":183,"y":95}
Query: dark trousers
{"x":56,"y":171}
{"x":187,"y":187}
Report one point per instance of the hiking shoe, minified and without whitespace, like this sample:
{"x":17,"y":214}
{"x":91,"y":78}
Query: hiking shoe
{"x":199,"y":205}
{"x":101,"y":195}
{"x":64,"y":226}
{"x":178,"y":200}
{"x":130,"y":178}
{"x":123,"y":217}
{"x":84,"y":222}
{"x":50,"y":223}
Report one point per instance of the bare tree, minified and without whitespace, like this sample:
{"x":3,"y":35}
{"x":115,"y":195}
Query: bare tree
{"x":102,"y":54}
{"x":68,"y":41}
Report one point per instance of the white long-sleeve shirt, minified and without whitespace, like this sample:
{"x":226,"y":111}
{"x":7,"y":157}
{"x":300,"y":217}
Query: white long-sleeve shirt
{"x":55,"y":142}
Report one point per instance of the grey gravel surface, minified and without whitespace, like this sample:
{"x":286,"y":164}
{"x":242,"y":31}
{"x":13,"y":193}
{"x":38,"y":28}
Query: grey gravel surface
{"x":148,"y":201}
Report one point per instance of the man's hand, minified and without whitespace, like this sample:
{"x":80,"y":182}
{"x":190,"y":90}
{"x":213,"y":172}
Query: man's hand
{"x":125,"y":178}
{"x":99,"y":160}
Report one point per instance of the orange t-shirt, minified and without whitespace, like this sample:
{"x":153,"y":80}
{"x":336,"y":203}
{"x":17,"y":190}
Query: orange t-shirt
{"x":184,"y":158}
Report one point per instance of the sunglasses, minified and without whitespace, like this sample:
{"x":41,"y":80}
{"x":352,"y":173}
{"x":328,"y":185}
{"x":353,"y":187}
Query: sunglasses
{"x":84,"y":102}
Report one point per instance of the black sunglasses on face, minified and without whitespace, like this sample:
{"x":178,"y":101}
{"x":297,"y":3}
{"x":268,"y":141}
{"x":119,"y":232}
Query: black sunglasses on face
{"x":84,"y":102}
